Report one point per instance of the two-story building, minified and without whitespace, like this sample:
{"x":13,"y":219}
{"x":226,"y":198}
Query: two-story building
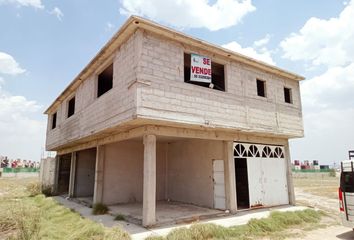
{"x":137,"y":128}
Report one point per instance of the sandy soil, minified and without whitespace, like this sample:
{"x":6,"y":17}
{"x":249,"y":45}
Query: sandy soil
{"x":334,"y":229}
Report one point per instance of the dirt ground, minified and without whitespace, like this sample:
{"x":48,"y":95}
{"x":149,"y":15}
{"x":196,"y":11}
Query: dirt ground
{"x":321,"y":193}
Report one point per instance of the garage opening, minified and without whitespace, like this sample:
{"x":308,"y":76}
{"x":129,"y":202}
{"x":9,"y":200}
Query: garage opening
{"x":64,"y":174}
{"x":185,"y":190}
{"x":264,"y":168}
{"x":242,"y":192}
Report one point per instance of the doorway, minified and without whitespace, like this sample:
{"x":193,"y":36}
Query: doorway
{"x":64,"y":174}
{"x":85,"y":173}
{"x":219,"y":184}
{"x":242,"y":191}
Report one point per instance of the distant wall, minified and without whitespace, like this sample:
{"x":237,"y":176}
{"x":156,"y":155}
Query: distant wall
{"x":311,"y":174}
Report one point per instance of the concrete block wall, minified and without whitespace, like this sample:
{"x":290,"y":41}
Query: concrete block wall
{"x":190,"y":170}
{"x":94,"y":114}
{"x":169,"y":98}
{"x":47,"y":172}
{"x":159,"y":64}
{"x":183,"y":171}
{"x":123,"y":172}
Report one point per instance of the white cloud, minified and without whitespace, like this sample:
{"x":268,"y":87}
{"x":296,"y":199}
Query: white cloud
{"x":328,"y":136}
{"x":262,"y":42}
{"x":8,"y":65}
{"x":57,"y":12}
{"x":24,"y":3}
{"x":328,"y":116}
{"x":332,"y":89}
{"x":324,"y":42}
{"x":263,"y":55}
{"x":22,"y":135}
{"x":190,"y":14}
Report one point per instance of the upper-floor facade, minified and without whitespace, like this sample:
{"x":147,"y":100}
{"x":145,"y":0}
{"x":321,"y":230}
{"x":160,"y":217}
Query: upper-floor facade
{"x":142,"y":77}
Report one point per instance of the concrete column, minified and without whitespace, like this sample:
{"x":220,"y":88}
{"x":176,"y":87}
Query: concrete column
{"x":149,"y":193}
{"x":289,"y":175}
{"x":99,"y":169}
{"x":72,"y":174}
{"x":230,"y":177}
{"x":56,"y":174}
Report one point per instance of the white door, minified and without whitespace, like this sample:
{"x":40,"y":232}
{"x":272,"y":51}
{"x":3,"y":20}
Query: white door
{"x":255,"y":181}
{"x":275,"y":183}
{"x":219,"y":184}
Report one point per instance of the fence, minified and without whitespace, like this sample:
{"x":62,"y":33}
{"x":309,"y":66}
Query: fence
{"x":312,"y":170}
{"x":20,"y":170}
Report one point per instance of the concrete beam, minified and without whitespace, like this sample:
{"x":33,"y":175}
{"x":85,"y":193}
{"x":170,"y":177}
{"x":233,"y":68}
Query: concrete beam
{"x":110,"y":137}
{"x":173,"y":131}
{"x":99,"y":174}
{"x":149,"y":193}
{"x":289,"y":175}
{"x":72,"y":174}
{"x":230,"y":176}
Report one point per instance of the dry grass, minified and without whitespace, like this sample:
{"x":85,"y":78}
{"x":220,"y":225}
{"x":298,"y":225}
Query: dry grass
{"x":24,"y":217}
{"x":320,"y":186}
{"x":276,"y":226}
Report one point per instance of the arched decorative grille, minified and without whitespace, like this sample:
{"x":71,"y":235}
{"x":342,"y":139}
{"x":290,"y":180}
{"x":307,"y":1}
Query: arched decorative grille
{"x":240,"y":151}
{"x":278,"y":152}
{"x":253,"y":151}
{"x":267,"y":152}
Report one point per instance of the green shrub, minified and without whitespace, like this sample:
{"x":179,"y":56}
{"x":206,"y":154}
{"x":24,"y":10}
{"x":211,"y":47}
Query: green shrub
{"x":332,"y":172}
{"x":99,"y":209}
{"x":119,"y":217}
{"x":47,"y":190}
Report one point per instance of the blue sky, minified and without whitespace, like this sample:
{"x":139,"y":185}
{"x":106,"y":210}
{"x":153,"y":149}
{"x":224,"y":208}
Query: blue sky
{"x":45,"y":44}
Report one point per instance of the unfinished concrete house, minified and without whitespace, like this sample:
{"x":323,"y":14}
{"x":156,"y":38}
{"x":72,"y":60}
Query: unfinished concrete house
{"x":161,"y":126}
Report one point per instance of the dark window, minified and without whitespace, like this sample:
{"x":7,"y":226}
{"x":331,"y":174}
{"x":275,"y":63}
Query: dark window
{"x":287,"y":95}
{"x":105,"y":81}
{"x":261,"y":88}
{"x":54,"y":120}
{"x":71,"y":107}
{"x":347,"y":181}
{"x":217,"y":74}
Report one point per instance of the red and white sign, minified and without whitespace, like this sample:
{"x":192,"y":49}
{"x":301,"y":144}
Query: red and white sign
{"x":200,"y":68}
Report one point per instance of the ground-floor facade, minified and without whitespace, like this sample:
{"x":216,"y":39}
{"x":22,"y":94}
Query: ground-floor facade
{"x":169,"y":168}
